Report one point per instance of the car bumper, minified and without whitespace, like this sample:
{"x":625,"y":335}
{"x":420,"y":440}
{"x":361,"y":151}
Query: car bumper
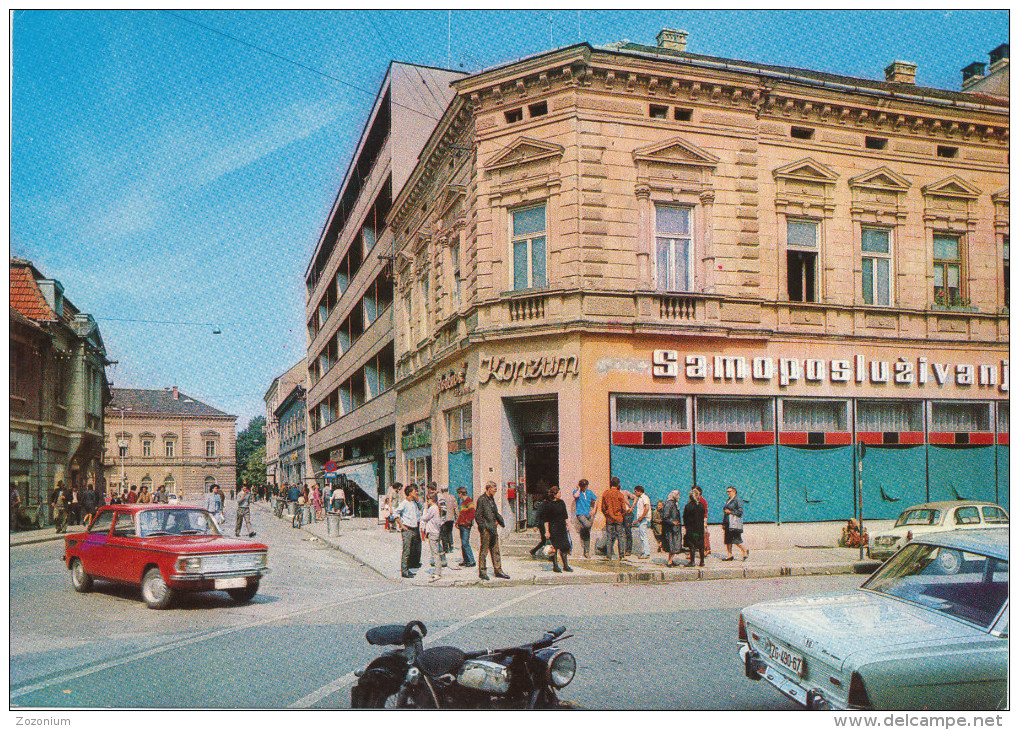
{"x":207,"y":581}
{"x":756,"y":667}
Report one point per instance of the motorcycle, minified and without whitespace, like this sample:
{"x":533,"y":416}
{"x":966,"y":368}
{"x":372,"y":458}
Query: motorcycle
{"x":518,"y":677}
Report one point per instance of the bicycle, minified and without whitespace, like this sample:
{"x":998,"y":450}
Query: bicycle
{"x":298,"y":517}
{"x":280,"y":506}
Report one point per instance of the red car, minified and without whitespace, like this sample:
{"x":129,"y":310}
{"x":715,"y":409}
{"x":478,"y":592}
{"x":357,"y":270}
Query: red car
{"x":165,"y":549}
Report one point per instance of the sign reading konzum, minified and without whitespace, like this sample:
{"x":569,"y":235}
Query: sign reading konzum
{"x":790,"y":370}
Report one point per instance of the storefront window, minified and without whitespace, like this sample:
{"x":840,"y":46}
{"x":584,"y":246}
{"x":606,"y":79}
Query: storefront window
{"x":960,"y":416}
{"x":1003,"y":416}
{"x":651,"y":414}
{"x":889,"y":415}
{"x":814,"y":415}
{"x":728,"y":414}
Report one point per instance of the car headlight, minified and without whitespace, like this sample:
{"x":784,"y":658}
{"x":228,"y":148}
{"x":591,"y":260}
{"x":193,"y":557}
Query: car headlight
{"x":191,"y":564}
{"x":560,"y":667}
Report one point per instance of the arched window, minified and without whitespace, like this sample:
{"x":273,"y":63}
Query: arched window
{"x":147,"y":483}
{"x":209,"y":481}
{"x":170,"y":484}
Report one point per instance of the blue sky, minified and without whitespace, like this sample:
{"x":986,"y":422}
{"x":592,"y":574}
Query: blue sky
{"x":163,"y":171}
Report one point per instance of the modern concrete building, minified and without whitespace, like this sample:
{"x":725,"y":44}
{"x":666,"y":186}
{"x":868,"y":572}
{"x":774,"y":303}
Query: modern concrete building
{"x":672,"y":268}
{"x":349,"y":283}
{"x":166,"y":438}
{"x":58,"y":389}
{"x":279,"y":391}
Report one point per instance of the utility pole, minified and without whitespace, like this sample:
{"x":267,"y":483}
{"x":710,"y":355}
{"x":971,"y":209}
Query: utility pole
{"x":859,"y":496}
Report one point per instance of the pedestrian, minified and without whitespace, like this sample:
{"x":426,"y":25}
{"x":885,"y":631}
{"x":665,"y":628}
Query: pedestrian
{"x":732,"y":524}
{"x":693,"y":518}
{"x":448,"y":511}
{"x":672,"y":528}
{"x":293,"y":494}
{"x":160,"y":495}
{"x":704,"y":504}
{"x":340,"y":500}
{"x":542,"y":536}
{"x":656,"y":524}
{"x":132,"y":495}
{"x":464,"y":521}
{"x":408,"y":517}
{"x":431,"y":529}
{"x":144,"y":497}
{"x":59,"y":502}
{"x":554,"y":515}
{"x":613,"y":506}
{"x":74,"y":506}
{"x":641,"y":519}
{"x":631,"y":499}
{"x":244,"y":511}
{"x":213,"y":503}
{"x":316,"y":501}
{"x":489,"y":521}
{"x":584,"y":500}
{"x":15,"y":507}
{"x":90,"y":501}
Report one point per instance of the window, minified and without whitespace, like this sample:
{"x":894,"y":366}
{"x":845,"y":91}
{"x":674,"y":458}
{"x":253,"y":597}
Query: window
{"x":673,"y":247}
{"x":169,"y":484}
{"x":529,"y":247}
{"x":994,"y":515}
{"x":209,"y":481}
{"x":801,"y":260}
{"x":168,"y":448}
{"x":102,"y":523}
{"x":889,"y":415}
{"x":730,"y":414}
{"x":875,"y":143}
{"x":457,"y":292}
{"x":949,"y":152}
{"x":683,"y":115}
{"x":1005,"y":269}
{"x":947,"y":417}
{"x":814,"y":415}
{"x":539,"y":109}
{"x":123,"y":449}
{"x":147,"y":484}
{"x":967,"y":516}
{"x":947,"y":270}
{"x":124,"y":526}
{"x":147,"y":447}
{"x":210,"y":448}
{"x":514,"y":115}
{"x":651,"y":414}
{"x":658,"y":111}
{"x":801,"y":132}
{"x":458,"y":424}
{"x":877,"y":247}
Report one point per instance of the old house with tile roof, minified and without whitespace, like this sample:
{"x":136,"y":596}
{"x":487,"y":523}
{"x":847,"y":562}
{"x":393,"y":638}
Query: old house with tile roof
{"x":58,"y":388}
{"x":169,"y":439}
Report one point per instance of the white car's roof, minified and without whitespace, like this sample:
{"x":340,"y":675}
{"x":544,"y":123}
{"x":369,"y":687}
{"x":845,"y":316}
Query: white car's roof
{"x":949,"y":504}
{"x":985,"y":541}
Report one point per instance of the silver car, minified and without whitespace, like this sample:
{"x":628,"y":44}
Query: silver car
{"x":931,"y":517}
{"x":927,"y":631}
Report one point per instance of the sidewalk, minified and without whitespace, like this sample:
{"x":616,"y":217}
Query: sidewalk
{"x":369,"y":544}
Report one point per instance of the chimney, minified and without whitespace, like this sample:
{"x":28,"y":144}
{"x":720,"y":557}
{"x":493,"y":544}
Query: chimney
{"x":972,"y":73}
{"x":176,"y":394}
{"x":900,"y":72}
{"x":999,"y":54}
{"x":674,"y":40}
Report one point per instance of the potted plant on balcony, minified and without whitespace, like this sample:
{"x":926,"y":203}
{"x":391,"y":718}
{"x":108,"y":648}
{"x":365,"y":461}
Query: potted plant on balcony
{"x":952,"y":301}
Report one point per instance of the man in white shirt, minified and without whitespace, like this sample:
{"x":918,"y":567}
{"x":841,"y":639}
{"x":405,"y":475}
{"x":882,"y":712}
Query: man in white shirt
{"x":641,"y":520}
{"x":407,"y":516}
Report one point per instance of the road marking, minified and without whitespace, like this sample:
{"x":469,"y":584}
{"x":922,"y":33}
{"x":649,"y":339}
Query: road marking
{"x":338,"y":684}
{"x":28,"y":689}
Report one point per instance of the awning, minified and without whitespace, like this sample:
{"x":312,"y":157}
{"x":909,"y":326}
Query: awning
{"x":362,"y":476}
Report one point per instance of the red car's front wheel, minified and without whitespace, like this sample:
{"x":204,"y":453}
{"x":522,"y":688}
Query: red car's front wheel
{"x":155,"y":592}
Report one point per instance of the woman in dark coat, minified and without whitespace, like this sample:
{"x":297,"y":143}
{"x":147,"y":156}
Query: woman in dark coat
{"x":553,"y":516}
{"x":732,"y":529}
{"x":693,"y":516}
{"x":672,"y":527}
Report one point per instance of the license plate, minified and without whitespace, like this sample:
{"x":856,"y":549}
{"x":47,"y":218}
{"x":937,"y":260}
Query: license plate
{"x":223,"y":583}
{"x":788,"y":659}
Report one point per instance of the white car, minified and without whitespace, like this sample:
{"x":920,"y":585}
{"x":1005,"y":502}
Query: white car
{"x":928,"y":631}
{"x":931,"y":517}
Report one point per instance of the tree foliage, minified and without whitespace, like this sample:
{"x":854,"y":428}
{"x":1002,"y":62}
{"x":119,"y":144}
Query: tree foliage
{"x":248,"y":442}
{"x":254,"y":470}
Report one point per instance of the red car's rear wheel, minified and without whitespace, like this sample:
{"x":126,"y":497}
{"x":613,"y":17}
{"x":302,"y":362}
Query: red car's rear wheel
{"x":81,"y":580}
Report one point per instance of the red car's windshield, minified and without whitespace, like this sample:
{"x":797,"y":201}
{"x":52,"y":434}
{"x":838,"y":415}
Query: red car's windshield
{"x":176,"y":522}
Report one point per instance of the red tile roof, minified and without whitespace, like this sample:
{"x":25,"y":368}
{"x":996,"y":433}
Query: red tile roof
{"x":26,"y":298}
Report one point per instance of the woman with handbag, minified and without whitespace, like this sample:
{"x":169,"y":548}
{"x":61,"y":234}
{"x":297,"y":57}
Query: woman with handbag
{"x":672,"y":528}
{"x":732,"y":524}
{"x":553,"y":518}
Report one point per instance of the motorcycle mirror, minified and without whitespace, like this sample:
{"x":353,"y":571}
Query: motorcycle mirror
{"x":556,"y":632}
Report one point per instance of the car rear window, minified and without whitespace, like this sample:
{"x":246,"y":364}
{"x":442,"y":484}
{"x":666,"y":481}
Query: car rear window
{"x":915,"y":517}
{"x":995,"y":516}
{"x":967,"y":586}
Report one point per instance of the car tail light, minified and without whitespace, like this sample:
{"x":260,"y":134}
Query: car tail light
{"x":909,"y":535}
{"x":858,"y":698}
{"x":742,"y":629}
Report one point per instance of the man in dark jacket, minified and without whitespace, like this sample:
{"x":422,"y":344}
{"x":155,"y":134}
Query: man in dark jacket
{"x":489,"y":521}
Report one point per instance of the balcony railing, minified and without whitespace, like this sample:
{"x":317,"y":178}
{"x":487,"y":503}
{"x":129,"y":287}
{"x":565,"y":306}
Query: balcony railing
{"x":526,"y":309}
{"x":677,"y":308}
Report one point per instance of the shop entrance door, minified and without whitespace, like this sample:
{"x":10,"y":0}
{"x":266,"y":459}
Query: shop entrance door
{"x":541,"y":471}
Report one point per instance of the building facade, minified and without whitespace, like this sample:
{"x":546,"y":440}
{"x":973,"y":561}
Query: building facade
{"x":58,"y":389}
{"x":350,"y":357}
{"x":676,"y":269}
{"x":292,"y":418}
{"x":279,"y":390}
{"x":166,"y":438}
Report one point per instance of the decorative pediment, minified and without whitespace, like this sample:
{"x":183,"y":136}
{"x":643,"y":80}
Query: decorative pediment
{"x":882,"y":179}
{"x":169,"y":435}
{"x":146,"y":435}
{"x":951,"y":187}
{"x":451,"y":195}
{"x":675,"y":151}
{"x":1001,"y":196}
{"x":210,"y":434}
{"x":808,"y":170}
{"x":524,"y":150}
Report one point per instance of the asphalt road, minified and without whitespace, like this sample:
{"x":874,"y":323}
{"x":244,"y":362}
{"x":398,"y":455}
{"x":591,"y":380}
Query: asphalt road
{"x":296,"y":645}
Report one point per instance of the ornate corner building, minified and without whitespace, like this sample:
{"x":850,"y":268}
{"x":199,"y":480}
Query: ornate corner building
{"x":677,"y":269}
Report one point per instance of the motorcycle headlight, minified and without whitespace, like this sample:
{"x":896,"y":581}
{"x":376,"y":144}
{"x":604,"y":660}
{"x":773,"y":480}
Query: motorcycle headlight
{"x":189,"y":564}
{"x":561,"y":669}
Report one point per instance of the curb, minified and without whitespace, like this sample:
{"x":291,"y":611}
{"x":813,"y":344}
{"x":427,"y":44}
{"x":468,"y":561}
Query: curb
{"x":35,"y":540}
